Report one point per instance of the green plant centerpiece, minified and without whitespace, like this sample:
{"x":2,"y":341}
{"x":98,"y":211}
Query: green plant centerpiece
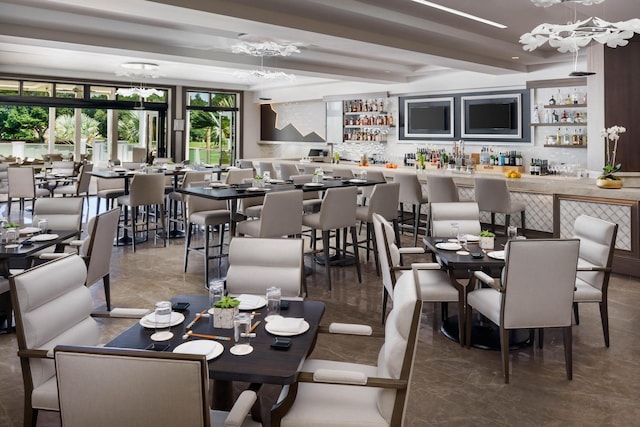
{"x":258,"y":181}
{"x":10,"y":225}
{"x":224,"y":311}
{"x":486,"y":239}
{"x":608,"y":178}
{"x":336,"y":157}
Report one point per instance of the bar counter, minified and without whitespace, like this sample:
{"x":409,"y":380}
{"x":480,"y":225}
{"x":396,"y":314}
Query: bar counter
{"x":553,"y":203}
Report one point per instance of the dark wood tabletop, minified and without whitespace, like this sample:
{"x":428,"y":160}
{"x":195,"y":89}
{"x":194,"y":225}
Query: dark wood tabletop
{"x":451,"y":260}
{"x":263,"y":366}
{"x":26,"y":247}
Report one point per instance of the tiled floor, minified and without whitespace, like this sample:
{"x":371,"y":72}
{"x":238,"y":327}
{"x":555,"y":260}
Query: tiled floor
{"x":451,"y":385}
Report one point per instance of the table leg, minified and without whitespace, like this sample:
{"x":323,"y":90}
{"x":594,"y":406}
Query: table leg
{"x":233,"y":207}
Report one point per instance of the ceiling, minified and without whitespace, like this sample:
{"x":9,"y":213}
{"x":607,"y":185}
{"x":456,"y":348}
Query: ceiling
{"x":378,"y":41}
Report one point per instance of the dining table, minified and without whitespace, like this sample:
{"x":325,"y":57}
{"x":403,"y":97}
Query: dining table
{"x":264,"y":365}
{"x":235,"y":192}
{"x":459,"y":262}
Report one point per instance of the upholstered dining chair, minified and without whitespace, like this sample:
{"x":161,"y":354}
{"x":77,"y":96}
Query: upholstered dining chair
{"x":52,"y":306}
{"x":177,"y":200}
{"x":287,"y":170}
{"x":597,"y":245}
{"x":237,"y":176}
{"x":442,"y":189}
{"x":63,"y":167}
{"x":22,"y":185}
{"x":535,"y":292}
{"x":79,"y":188}
{"x":109,"y":190}
{"x":281,"y":216}
{"x":411,"y":192}
{"x":105,"y":387}
{"x":337,"y":212}
{"x":268,"y":167}
{"x":311,"y":200}
{"x":61,"y":213}
{"x":465,"y":214}
{"x":492,"y":195}
{"x":253,"y":267}
{"x":372,"y":175}
{"x":331,"y":393}
{"x":147,"y":190}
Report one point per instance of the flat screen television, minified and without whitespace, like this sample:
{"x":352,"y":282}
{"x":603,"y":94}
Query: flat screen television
{"x":490,"y":116}
{"x":497,"y":116}
{"x":426,"y":118}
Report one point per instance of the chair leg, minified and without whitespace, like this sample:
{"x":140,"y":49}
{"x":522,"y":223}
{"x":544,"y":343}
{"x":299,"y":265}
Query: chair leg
{"x":107,"y":290}
{"x":401,"y":216}
{"x":9,"y":207}
{"x":493,"y":222}
{"x":327,"y":260}
{"x":567,"y":337}
{"x":605,"y":321}
{"x":163,"y":221}
{"x":540,"y":338}
{"x":207,"y":230}
{"x":507,"y":222}
{"x":522,"y":220}
{"x":134,"y":219}
{"x":385,"y":297}
{"x":576,"y":313}
{"x":376,"y":258}
{"x":462,"y":326}
{"x":504,"y":349}
{"x":354,"y":241}
{"x":416,"y":223}
{"x":467,"y":323}
{"x":189,"y":230}
{"x":368,"y":239}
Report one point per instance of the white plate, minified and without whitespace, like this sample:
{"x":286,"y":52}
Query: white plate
{"x":11,"y":246}
{"x":241,"y":349}
{"x":43,"y":237}
{"x":29,"y":230}
{"x":209,"y":348}
{"x":313,"y":184}
{"x":303,"y":328}
{"x":148,"y":321}
{"x":276,"y":181}
{"x":472,"y":238}
{"x":218,"y":185}
{"x":357,"y":180}
{"x":448,"y":246}
{"x":496,"y":254}
{"x":251,"y":302}
{"x":256,"y":189}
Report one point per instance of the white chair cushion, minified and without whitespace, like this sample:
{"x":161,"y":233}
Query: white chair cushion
{"x":45,"y":396}
{"x":586,"y":293}
{"x":488,"y":302}
{"x":435,"y":286}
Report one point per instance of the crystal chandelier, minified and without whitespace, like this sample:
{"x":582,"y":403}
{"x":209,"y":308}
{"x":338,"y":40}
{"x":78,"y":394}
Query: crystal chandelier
{"x":264,"y":74}
{"x":266,"y":48}
{"x":572,"y":36}
{"x":139,"y":71}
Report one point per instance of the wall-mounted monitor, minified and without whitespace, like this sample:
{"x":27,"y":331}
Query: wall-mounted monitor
{"x":493,"y":116}
{"x":426,"y":118}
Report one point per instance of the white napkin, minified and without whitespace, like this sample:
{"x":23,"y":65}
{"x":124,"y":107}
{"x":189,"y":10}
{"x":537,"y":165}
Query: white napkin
{"x":286,"y":324}
{"x":248,"y":301}
{"x":129,"y":312}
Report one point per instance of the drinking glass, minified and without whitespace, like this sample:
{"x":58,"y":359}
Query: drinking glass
{"x":266,"y":175}
{"x":216,"y":291}
{"x":454,"y":230}
{"x":512,"y":232}
{"x":162,"y":320}
{"x":11,"y":235}
{"x":43,"y":225}
{"x":274,"y":294}
{"x":462,"y":238}
{"x":207,"y":179}
{"x":241,"y":331}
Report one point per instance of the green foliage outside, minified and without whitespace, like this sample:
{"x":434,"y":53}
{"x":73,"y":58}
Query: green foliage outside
{"x":23,"y":123}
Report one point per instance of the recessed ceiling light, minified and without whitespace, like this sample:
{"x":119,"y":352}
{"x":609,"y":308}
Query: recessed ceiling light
{"x":515,"y":57}
{"x":460,"y":13}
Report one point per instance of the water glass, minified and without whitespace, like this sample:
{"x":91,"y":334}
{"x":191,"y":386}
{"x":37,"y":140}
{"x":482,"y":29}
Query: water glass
{"x":462,"y":238}
{"x":274,"y":295}
{"x":241,"y":334}
{"x":216,"y":291}
{"x":11,"y":235}
{"x":207,"y":179}
{"x":454,"y":230}
{"x":512,"y":232}
{"x":266,"y":175}
{"x":43,"y":225}
{"x":162,"y":320}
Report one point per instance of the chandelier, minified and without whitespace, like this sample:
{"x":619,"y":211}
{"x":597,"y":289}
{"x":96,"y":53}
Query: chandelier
{"x":139,"y":71}
{"x":572,"y":36}
{"x":264,"y":74}
{"x":266,"y":48}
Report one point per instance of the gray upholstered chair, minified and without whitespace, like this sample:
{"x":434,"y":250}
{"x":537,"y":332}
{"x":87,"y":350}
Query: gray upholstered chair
{"x":331,"y":393}
{"x":383,"y":201}
{"x":104,"y":387}
{"x":465,"y":214}
{"x":535,"y":292}
{"x":177,"y":200}
{"x":311,"y":200}
{"x":338,"y":211}
{"x":281,"y":216}
{"x":411,"y":192}
{"x":61,"y":213}
{"x":492,"y":195}
{"x":63,"y":167}
{"x":110,"y":190}
{"x":80,"y":188}
{"x":442,"y":189}
{"x":52,"y":306}
{"x":372,"y":175}
{"x":597,"y":245}
{"x":287,"y":170}
{"x":207,"y":213}
{"x":147,"y":190}
{"x":237,"y":176}
{"x":22,"y":185}
{"x":245,"y":164}
{"x":256,"y":264}
{"x":268,"y":167}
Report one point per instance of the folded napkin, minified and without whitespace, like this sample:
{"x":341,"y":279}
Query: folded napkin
{"x":135,"y":313}
{"x":248,"y":301}
{"x":286,"y":324}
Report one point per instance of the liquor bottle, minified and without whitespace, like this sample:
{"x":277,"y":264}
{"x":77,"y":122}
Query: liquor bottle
{"x":563,"y":119}
{"x":575,"y":97}
{"x":390,"y":119}
{"x":535,"y":117}
{"x":568,"y":100}
{"x":552,"y":100}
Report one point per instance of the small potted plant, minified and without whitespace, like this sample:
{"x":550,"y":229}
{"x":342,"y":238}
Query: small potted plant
{"x":223,"y":312}
{"x":486,"y":239}
{"x":258,"y":181}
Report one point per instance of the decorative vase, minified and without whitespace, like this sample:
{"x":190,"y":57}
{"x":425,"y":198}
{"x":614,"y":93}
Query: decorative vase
{"x":223,"y":317}
{"x":486,"y":242}
{"x":609,"y":183}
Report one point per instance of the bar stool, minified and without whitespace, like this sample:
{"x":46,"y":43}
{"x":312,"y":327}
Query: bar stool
{"x":442,"y":189}
{"x":411,"y":191}
{"x":311,"y":200}
{"x":366,"y":191}
{"x":268,"y":167}
{"x":110,"y":190}
{"x":338,"y":211}
{"x":281,"y":216}
{"x":22,"y":185}
{"x":287,"y":170}
{"x":492,"y":195}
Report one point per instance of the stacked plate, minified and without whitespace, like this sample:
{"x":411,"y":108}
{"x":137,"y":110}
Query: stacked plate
{"x":211,"y":349}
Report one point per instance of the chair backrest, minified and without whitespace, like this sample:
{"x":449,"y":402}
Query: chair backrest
{"x":539,"y":278}
{"x":162,"y":160}
{"x":237,"y":176}
{"x":492,"y":194}
{"x":388,"y":252}
{"x":268,"y":167}
{"x":257,"y":263}
{"x":309,"y":169}
{"x":21,"y":182}
{"x":597,"y":244}
{"x":62,"y":213}
{"x":396,"y":356}
{"x":85,"y":178}
{"x":52,"y":306}
{"x":103,"y":387}
{"x":281,"y":214}
{"x":287,"y":170}
{"x":338,"y":209}
{"x":147,"y":189}
{"x":245,"y":164}
{"x":131,"y":165}
{"x":442,"y":189}
{"x":410,"y":188}
{"x":466,"y":214}
{"x":195,"y":204}
{"x":109,"y":184}
{"x":384,"y":200}
{"x":98,"y":247}
{"x":372,"y":175}
{"x":63,"y":167}
{"x":305,"y":179}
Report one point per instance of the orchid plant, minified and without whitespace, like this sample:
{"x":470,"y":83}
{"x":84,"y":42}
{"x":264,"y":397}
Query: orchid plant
{"x":611,"y":136}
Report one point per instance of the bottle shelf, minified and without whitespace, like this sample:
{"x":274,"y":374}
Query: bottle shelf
{"x":565,"y":145}
{"x":365,"y":113}
{"x":559,"y":124}
{"x":367,"y":126}
{"x":560,"y":106}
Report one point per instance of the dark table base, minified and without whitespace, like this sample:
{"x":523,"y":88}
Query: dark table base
{"x":485,"y":335}
{"x":339,"y":260}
